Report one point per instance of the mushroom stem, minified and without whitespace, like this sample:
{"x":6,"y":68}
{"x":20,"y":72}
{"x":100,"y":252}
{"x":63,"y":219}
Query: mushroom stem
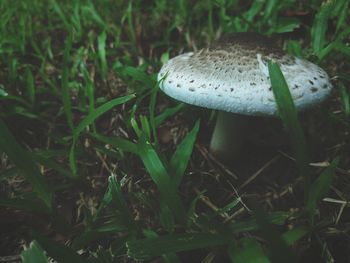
{"x":228,"y":135}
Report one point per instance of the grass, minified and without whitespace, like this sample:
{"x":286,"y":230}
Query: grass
{"x":98,"y":165}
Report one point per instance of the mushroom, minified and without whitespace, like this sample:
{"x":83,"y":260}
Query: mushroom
{"x":232,"y":76}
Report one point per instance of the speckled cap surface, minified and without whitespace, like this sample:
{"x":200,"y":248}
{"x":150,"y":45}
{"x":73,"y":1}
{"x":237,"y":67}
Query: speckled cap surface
{"x":233,"y":76}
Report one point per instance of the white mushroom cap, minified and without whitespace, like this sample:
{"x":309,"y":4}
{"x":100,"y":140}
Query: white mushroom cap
{"x":233,"y":76}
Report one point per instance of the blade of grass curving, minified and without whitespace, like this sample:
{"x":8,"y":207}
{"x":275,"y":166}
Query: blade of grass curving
{"x":168,"y":113}
{"x":49,"y":163}
{"x":118,"y":143}
{"x":89,"y":120}
{"x":247,"y":250}
{"x":34,"y":254}
{"x":136,"y":74}
{"x":24,"y":161}
{"x":161,"y":178}
{"x":149,"y":248}
{"x":320,"y":187}
{"x":180,"y":158}
{"x":288,"y":114}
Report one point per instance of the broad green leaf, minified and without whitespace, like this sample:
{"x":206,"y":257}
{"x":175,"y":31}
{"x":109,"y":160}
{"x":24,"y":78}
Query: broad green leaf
{"x":34,"y":254}
{"x":149,"y":248}
{"x":289,"y":116}
{"x":24,"y":161}
{"x":247,"y":250}
{"x":320,"y":187}
{"x":180,"y":158}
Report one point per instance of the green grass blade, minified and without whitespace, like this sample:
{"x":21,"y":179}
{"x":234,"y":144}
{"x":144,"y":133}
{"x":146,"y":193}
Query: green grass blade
{"x":89,"y":120}
{"x":291,"y":236}
{"x":168,"y":113}
{"x":276,"y":218}
{"x":121,"y":220}
{"x":180,"y":158}
{"x":289,"y":116}
{"x":161,"y":178}
{"x":345,"y":98}
{"x":101,"y":41}
{"x":168,"y":258}
{"x":60,"y":13}
{"x":247,"y":250}
{"x":67,"y":104}
{"x":34,"y":254}
{"x":114,"y":195}
{"x":59,"y":252}
{"x":279,"y":251}
{"x":320,"y":187}
{"x":25,"y":204}
{"x":30,"y":86}
{"x":344,"y":11}
{"x":24,"y":161}
{"x":149,"y":248}
{"x":319,"y":28}
{"x":118,"y":143}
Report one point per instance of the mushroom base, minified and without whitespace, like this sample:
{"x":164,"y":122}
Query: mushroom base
{"x":228,"y":136}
